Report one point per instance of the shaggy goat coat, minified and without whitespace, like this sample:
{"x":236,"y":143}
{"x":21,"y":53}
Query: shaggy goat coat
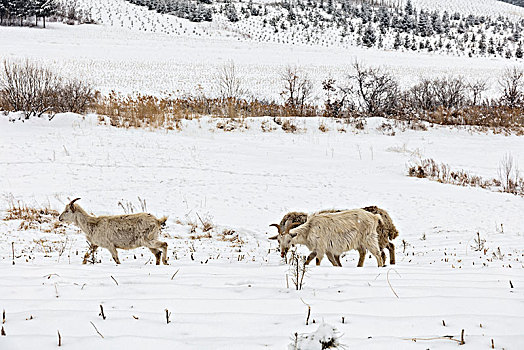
{"x":336,"y":233}
{"x":119,"y":231}
{"x":386,"y":230}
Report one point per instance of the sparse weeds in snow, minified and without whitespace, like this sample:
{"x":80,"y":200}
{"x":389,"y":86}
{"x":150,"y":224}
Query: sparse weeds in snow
{"x":325,"y":337}
{"x":34,"y":218}
{"x":297,"y":269}
{"x":510,"y":180}
{"x":386,"y":128}
{"x":478,"y":243}
{"x":266,"y":126}
{"x":497,"y":254}
{"x":323,"y":127}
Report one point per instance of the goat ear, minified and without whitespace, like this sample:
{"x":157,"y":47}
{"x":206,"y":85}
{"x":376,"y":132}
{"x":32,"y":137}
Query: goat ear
{"x":71,"y":206}
{"x":274,"y":237}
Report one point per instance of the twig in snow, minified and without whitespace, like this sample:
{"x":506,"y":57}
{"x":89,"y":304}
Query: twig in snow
{"x":445,"y":337}
{"x":102,"y":312}
{"x":168,"y":314}
{"x":96,"y":329}
{"x":492,"y":344}
{"x":387,"y":277}
{"x":443,"y":323}
{"x":13,"y":250}
{"x":59,"y":338}
{"x":174,"y":274}
{"x":56,"y":290}
{"x":3,"y":316}
{"x":510,"y":284}
{"x":308,"y":311}
{"x":114,"y":280}
{"x":51,"y":275}
{"x":2,"y":332}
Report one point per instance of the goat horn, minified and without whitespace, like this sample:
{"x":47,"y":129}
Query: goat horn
{"x":274,"y":237}
{"x":292,"y":226}
{"x":277,"y":226}
{"x":71,"y":204}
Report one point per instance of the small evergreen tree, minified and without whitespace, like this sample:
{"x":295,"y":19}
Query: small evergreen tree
{"x":369,"y":38}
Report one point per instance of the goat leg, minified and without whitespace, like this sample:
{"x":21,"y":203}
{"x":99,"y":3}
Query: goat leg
{"x":311,"y":257}
{"x":331,"y":259}
{"x":114,"y":254}
{"x":391,"y":248}
{"x":362,"y":257}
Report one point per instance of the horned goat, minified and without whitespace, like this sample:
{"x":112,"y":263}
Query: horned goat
{"x":118,"y":231}
{"x":386,"y":230}
{"x":332,"y":234}
{"x":386,"y":233}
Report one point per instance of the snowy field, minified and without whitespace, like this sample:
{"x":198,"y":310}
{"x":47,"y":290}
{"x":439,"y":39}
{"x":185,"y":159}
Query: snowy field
{"x":131,"y":61}
{"x":231,"y":293}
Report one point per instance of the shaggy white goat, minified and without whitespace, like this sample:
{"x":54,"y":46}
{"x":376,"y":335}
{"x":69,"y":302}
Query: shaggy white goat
{"x":118,"y":231}
{"x":332,"y":234}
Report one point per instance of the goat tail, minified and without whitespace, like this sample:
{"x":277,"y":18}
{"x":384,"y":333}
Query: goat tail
{"x":162,"y":221}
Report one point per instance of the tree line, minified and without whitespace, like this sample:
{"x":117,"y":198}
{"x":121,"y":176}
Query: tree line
{"x":17,"y":12}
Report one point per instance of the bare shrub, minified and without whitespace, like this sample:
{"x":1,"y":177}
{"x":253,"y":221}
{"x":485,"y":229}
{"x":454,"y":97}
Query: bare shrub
{"x":228,"y":82}
{"x":377,"y":91}
{"x":476,"y":89}
{"x":421,"y":96}
{"x":509,"y":175}
{"x":35,"y":90}
{"x":297,"y":90}
{"x":512,"y":87}
{"x":73,"y":96}
{"x":337,"y":103}
{"x":28,"y":88}
{"x":449,"y":92}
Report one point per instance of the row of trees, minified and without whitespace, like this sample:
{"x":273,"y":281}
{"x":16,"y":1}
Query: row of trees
{"x":371,"y":91}
{"x":17,"y":11}
{"x":195,"y":11}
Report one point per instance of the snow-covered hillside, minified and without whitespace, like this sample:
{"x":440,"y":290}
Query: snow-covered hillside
{"x":227,"y":290}
{"x":459,"y":28}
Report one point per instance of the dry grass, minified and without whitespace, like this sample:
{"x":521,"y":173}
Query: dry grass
{"x":429,"y":168}
{"x":154,"y":112}
{"x":499,"y":118}
{"x":32,"y":218}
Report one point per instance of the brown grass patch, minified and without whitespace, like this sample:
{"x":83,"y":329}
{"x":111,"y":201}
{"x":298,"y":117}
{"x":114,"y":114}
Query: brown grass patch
{"x":428,"y":168}
{"x":166,"y":112}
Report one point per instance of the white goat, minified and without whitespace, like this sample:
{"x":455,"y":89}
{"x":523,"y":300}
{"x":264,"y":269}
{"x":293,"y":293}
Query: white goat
{"x":118,"y":231}
{"x":332,"y":234}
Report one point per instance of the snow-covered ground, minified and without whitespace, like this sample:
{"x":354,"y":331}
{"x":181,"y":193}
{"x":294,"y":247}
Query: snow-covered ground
{"x":229,"y":291}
